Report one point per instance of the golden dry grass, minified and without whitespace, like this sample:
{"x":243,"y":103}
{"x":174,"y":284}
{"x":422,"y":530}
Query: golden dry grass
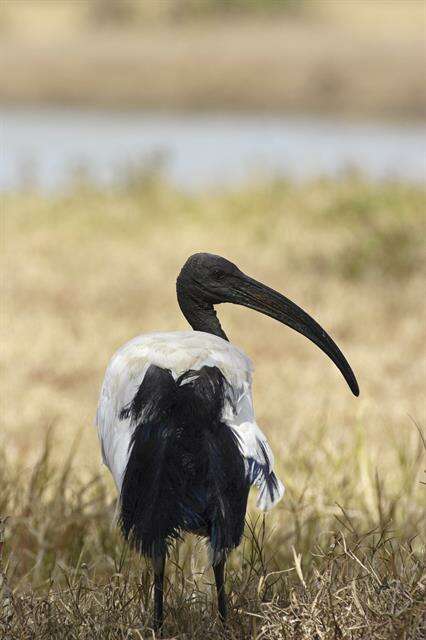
{"x":87,"y":271}
{"x":356,"y":57}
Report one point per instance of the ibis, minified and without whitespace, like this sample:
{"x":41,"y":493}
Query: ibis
{"x":177,"y":427}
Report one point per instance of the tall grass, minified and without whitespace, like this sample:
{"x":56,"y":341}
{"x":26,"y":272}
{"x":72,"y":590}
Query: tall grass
{"x":335,"y":571}
{"x":342,"y":556}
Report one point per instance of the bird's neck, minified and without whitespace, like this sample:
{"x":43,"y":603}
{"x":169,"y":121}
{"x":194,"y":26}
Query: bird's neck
{"x":201,"y":316}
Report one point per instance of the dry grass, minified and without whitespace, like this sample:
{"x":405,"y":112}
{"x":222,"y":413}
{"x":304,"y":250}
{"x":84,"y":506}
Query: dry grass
{"x":85,"y":272}
{"x":360,"y":59}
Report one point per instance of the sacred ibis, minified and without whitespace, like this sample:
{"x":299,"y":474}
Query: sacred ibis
{"x":177,"y":427}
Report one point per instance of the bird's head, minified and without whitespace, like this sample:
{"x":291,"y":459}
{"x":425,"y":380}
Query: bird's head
{"x":209,"y":278}
{"x":206,"y":280}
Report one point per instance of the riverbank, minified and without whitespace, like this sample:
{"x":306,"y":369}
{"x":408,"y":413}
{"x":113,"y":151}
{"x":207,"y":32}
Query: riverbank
{"x":313,"y":62}
{"x":87,"y":270}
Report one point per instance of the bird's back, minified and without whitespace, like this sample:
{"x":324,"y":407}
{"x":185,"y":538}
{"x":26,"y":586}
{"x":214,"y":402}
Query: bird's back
{"x":184,"y":398}
{"x":176,"y":352}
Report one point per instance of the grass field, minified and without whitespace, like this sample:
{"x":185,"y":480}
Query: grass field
{"x":357,"y":57}
{"x":342,"y":556}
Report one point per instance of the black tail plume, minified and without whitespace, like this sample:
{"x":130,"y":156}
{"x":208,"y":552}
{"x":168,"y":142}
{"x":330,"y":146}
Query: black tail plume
{"x":185,"y":471}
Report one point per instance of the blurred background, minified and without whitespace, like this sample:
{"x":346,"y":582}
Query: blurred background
{"x":211,"y":90}
{"x":286,"y":135}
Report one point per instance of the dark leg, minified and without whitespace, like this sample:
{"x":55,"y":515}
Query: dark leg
{"x":158,"y":564}
{"x":219,"y":570}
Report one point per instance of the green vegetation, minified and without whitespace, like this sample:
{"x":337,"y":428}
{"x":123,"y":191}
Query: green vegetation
{"x":342,"y":556}
{"x":128,"y":11}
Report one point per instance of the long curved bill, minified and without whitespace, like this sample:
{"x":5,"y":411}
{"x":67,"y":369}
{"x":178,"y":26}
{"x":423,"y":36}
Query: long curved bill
{"x":259,"y":297}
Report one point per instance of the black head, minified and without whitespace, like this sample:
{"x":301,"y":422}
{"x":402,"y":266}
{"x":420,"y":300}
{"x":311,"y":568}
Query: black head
{"x":206,"y":280}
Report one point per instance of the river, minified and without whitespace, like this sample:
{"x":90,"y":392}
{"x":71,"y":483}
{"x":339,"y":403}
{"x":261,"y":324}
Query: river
{"x":45,"y":146}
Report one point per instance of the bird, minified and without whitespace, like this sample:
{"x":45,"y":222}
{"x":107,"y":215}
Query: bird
{"x":177,"y":427}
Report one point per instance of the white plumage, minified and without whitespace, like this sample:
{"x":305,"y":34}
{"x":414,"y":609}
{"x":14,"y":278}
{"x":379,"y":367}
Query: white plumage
{"x":181,"y":351}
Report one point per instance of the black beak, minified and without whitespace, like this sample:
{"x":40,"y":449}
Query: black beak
{"x":257,"y":296}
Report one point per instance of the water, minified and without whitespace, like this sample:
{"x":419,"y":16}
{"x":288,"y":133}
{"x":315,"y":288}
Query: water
{"x":45,"y":145}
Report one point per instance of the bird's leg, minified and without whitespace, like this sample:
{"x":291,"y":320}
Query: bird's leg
{"x":158,"y":563}
{"x":219,"y":570}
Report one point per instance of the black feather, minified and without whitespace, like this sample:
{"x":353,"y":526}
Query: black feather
{"x":185,"y":470}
